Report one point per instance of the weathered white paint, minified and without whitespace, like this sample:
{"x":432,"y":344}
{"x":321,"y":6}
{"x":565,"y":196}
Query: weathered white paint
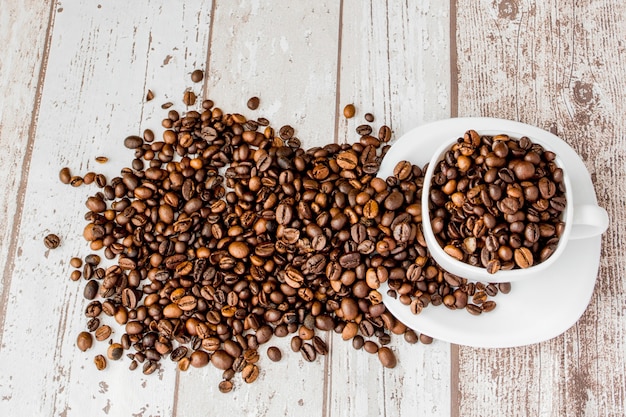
{"x":556,"y":65}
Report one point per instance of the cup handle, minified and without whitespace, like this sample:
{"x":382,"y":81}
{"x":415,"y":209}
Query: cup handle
{"x":589,"y":220}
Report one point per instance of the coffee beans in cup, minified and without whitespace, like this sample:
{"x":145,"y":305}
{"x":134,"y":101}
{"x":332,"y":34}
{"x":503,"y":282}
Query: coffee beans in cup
{"x":497,"y":202}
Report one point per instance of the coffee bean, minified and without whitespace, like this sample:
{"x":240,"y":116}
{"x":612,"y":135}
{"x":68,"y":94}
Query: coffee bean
{"x":308,"y":352}
{"x":100,"y":362}
{"x":221,"y":360}
{"x":189,"y":98}
{"x":274,"y":354}
{"x":387,"y":357}
{"x":411,"y":337}
{"x":286,"y":132}
{"x":91,"y":289}
{"x":296,"y":343}
{"x":51,"y":241}
{"x":523,"y":257}
{"x":115,"y":351}
{"x":358,"y":342}
{"x":250,"y":373}
{"x":238,"y":250}
{"x":65,"y":175}
{"x":197,"y":76}
{"x":84,"y":341}
{"x":133,"y":142}
{"x":320,"y":346}
{"x":349,"y":111}
{"x":225,"y":386}
{"x":200,"y":358}
{"x":370,"y":347}
{"x":253,"y":103}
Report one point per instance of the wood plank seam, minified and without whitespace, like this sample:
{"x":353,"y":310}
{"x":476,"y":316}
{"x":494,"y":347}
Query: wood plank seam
{"x":338,"y":75}
{"x":455,"y":397}
{"x":32,"y":130}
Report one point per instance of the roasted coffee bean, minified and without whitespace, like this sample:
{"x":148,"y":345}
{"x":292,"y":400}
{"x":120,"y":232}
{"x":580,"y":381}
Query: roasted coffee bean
{"x":274,"y":354}
{"x":115,"y":351}
{"x":84,"y":341}
{"x":296,"y":343}
{"x":179,"y":353}
{"x":197,"y":76}
{"x":65,"y":175}
{"x":91,"y":289}
{"x":349,"y":111}
{"x":189,"y":98}
{"x":103,"y":332}
{"x":286,"y":132}
{"x":133,"y":142}
{"x":51,"y":241}
{"x":387,"y":357}
{"x":221,"y":360}
{"x":320,"y":346}
{"x":225,"y":386}
{"x":411,"y":337}
{"x":308,"y":352}
{"x":100,"y":362}
{"x":253,"y":103}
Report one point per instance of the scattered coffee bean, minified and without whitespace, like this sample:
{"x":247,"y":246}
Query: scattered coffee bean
{"x":189,"y":98}
{"x":225,"y":386}
{"x":115,"y":351}
{"x":387,"y":357}
{"x":84,"y":341}
{"x":100,"y":362}
{"x":65,"y":175}
{"x":51,"y":241}
{"x":274,"y":354}
{"x":197,"y":76}
{"x":253,"y":103}
{"x":348,"y":111}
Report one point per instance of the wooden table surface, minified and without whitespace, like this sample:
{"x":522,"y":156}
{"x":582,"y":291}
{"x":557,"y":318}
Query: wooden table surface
{"x":74,"y":76}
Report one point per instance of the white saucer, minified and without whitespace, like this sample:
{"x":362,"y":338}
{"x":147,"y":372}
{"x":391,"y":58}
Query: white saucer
{"x":537,"y":309}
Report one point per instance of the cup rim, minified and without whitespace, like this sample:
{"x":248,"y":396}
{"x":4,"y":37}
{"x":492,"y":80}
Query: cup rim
{"x":478,"y":273}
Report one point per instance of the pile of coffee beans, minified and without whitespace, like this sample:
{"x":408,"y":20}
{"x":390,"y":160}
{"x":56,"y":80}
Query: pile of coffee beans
{"x":497,"y":202}
{"x":226,"y":233}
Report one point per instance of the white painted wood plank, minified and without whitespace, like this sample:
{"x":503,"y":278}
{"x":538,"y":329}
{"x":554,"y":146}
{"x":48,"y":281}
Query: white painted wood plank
{"x":23,"y":30}
{"x":102,"y":59}
{"x":394,"y":64}
{"x":286,"y":54}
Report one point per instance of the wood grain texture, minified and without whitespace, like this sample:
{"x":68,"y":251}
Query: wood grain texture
{"x":404,"y":82}
{"x":99,"y":66}
{"x":558,"y":66}
{"x":286,"y":55}
{"x":23,"y":36}
{"x":553,"y":64}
